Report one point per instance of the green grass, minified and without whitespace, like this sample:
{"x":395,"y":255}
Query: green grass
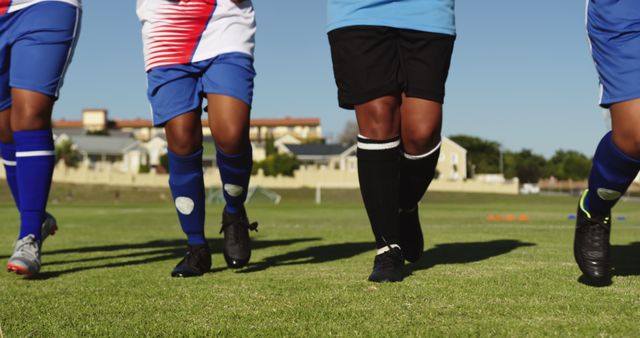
{"x":106,"y":273}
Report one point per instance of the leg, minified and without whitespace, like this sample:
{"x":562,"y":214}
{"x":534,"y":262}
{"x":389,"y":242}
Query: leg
{"x":229,"y":123}
{"x":379,"y":166}
{"x":617,"y":159}
{"x":184,"y":138}
{"x":8,"y":154}
{"x":31,"y":122}
{"x":421,"y":123}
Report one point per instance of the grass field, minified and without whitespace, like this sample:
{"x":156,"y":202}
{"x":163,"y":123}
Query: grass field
{"x":106,"y":273}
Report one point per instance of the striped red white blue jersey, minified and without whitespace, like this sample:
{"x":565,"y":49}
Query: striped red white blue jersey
{"x":187,"y":31}
{"x":8,"y":6}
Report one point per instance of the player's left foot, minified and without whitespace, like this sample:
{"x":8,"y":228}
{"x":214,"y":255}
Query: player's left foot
{"x":196,"y":262}
{"x":591,"y":246}
{"x":237,"y":244}
{"x":411,"y":240}
{"x":25,"y":259}
{"x":388,"y":266}
{"x":49,"y":226}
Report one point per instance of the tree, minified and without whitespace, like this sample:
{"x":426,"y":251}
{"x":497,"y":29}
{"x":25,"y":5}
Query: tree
{"x":483,"y":156}
{"x":270,"y":146}
{"x":525,"y":165}
{"x":67,"y":152}
{"x":569,"y":164}
{"x":349,"y":133}
{"x":277,"y":164}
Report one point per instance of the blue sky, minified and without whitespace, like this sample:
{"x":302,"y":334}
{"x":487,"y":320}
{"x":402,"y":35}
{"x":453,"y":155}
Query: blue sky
{"x":521,"y":71}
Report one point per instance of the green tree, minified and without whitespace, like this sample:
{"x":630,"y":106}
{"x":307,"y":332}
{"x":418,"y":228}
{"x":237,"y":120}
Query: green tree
{"x":277,"y":164}
{"x":569,"y":164}
{"x":67,"y":152}
{"x":269,"y":146}
{"x":483,"y":156}
{"x":527,"y":166}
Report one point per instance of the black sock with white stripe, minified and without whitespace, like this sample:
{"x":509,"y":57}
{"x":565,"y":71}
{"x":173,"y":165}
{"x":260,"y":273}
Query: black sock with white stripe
{"x":378,"y":173}
{"x":416,"y":173}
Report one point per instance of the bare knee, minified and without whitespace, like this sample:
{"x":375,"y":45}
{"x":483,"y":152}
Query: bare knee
{"x":30,"y":110}
{"x":420,"y":140}
{"x":628,"y":141}
{"x":379,"y":119}
{"x":232,"y":140}
{"x":184,"y":134}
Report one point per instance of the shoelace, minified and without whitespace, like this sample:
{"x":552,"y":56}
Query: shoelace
{"x":598,"y":231}
{"x":251,"y":226}
{"x":27,"y":247}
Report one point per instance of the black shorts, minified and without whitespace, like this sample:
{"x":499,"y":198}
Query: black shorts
{"x":374,"y":61}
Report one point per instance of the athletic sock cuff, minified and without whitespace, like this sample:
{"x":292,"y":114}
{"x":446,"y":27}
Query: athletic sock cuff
{"x":433,"y":151}
{"x":621,"y":160}
{"x":240,"y":158}
{"x":8,"y":153}
{"x":32,"y":141}
{"x":378,"y":150}
{"x":185,"y":164}
{"x":365,"y":143}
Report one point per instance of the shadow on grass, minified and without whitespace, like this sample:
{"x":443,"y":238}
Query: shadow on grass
{"x":462,"y":253}
{"x":312,"y":255}
{"x":625,"y":261}
{"x":154,"y":251}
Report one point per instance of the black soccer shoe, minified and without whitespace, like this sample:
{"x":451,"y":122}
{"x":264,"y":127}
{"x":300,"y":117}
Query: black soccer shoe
{"x":388,"y":267}
{"x":237,"y":244}
{"x":411,"y":240}
{"x":591,"y":246}
{"x":196,"y":262}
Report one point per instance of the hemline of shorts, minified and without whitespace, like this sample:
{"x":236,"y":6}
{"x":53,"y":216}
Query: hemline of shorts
{"x":608,"y":103}
{"x":162,"y":122}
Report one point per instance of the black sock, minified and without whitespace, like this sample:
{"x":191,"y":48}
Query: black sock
{"x":378,"y":173}
{"x":416,"y":173}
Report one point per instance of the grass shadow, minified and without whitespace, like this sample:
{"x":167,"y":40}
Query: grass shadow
{"x":150,"y":252}
{"x":463,"y":253}
{"x":312,"y":255}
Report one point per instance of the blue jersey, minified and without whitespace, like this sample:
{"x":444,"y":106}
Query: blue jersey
{"x":436,"y":16}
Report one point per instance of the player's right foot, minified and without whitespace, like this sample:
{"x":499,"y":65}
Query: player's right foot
{"x":411,"y":240}
{"x":388,"y":265}
{"x":591,"y":246}
{"x":196,"y":262}
{"x":49,"y":226}
{"x":26,"y":257}
{"x":237,"y":244}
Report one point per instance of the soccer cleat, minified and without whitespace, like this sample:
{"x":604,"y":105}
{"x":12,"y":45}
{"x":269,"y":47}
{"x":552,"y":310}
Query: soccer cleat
{"x":591,"y":246}
{"x":196,"y":262}
{"x":237,"y":244}
{"x":49,"y":226}
{"x":411,"y":239}
{"x":26,"y":257}
{"x":388,"y":265}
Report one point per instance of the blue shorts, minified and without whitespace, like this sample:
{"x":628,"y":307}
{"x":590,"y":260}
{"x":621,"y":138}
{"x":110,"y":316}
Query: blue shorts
{"x":178,"y":89}
{"x":614,"y":33}
{"x":36,"y":46}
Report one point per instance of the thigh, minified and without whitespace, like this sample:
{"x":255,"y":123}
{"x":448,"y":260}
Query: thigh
{"x":425,"y":59}
{"x":614,"y":35}
{"x":173,"y":91}
{"x":45,"y":38}
{"x":365,"y":64}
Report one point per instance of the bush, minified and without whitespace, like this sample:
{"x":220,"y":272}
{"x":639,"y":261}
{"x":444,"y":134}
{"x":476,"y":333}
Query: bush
{"x":67,"y":152}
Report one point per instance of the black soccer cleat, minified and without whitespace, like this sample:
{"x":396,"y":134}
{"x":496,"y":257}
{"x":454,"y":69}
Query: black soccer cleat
{"x":388,"y":266}
{"x":196,"y":262}
{"x":411,"y":239}
{"x":237,"y":244}
{"x":591,"y":246}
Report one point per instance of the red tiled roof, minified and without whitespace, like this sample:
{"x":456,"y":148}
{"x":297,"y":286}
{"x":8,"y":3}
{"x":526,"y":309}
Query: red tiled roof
{"x":145,"y":123}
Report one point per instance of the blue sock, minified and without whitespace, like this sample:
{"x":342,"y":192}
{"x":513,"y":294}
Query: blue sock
{"x":35,"y":159}
{"x":611,"y":174}
{"x":8,"y":154}
{"x":186,"y":181}
{"x":235,"y":171}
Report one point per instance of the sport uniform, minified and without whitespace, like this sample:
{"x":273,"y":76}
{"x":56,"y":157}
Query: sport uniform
{"x":384,"y":47}
{"x":614,"y":33}
{"x":37,"y":39}
{"x":193,"y":48}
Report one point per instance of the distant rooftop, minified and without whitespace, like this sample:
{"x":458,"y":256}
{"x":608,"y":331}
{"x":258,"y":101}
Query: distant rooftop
{"x":146,"y":123}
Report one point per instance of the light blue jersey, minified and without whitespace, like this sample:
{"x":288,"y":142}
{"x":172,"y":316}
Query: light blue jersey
{"x":436,"y":16}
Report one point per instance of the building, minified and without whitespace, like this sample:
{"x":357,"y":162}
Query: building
{"x":104,"y":153}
